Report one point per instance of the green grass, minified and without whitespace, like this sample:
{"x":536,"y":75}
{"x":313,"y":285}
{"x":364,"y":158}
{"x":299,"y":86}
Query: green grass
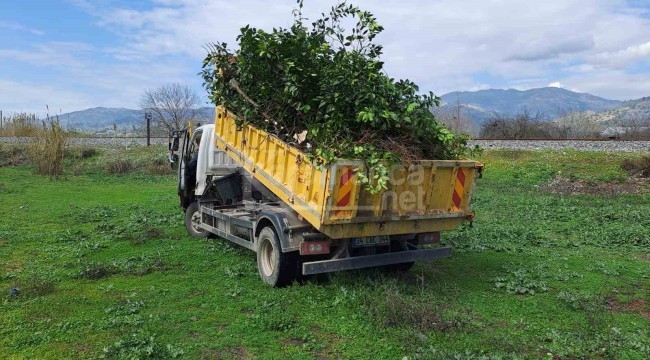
{"x":105,"y":268}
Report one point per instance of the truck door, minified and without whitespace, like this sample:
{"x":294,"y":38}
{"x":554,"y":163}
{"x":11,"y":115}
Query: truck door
{"x":185,"y":156}
{"x":188,"y":166}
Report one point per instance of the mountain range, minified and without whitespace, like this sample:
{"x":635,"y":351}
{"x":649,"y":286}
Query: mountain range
{"x":102,"y":118}
{"x":478,"y":106}
{"x":550,"y":102}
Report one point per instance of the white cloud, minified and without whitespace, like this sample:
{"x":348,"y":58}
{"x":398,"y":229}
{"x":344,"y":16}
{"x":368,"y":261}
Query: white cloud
{"x":440,"y":44}
{"x":610,"y":84}
{"x":49,"y":54}
{"x":18,"y":27}
{"x":550,"y":46}
{"x":622,"y":58}
{"x":443,"y":45}
{"x":556,"y":84}
{"x":33,"y":98}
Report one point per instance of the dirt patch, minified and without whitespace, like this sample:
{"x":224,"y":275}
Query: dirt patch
{"x":293,"y":342}
{"x":236,"y":352}
{"x":644,"y":257}
{"x":14,"y":161}
{"x":638,"y":306}
{"x":13,"y":266}
{"x":564,"y":186}
{"x":81,"y":349}
{"x":329,"y":352}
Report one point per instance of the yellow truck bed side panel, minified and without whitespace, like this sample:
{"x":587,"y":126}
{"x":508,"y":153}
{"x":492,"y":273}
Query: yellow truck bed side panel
{"x":425,"y":196}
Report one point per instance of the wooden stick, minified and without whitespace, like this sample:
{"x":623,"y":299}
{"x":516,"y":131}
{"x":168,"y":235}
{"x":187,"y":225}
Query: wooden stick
{"x":235,"y":85}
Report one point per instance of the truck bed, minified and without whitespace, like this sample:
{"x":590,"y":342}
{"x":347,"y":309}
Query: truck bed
{"x":426,"y":196}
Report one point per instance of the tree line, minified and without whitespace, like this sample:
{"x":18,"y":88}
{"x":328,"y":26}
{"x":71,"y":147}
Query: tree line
{"x":525,"y":124}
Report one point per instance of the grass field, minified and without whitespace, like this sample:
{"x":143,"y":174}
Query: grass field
{"x":104,"y":268}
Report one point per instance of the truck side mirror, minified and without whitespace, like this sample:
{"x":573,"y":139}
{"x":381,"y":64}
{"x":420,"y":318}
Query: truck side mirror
{"x":173,"y":144}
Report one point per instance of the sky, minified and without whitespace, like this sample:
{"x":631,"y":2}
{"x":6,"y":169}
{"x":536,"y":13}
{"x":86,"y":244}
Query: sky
{"x":71,"y":55}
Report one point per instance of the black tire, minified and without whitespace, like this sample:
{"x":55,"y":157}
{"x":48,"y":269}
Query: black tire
{"x":401,"y":267}
{"x":192,"y":217}
{"x":276,"y":268}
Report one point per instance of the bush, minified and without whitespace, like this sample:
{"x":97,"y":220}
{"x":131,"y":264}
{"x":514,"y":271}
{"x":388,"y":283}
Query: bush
{"x":20,"y":125}
{"x":11,"y":155}
{"x":95,"y":271}
{"x":142,"y":346}
{"x":327,"y":87}
{"x":403,"y":311}
{"x":160,"y":167}
{"x":46,"y":150}
{"x":640,"y":165}
{"x":81,"y":153}
{"x":120,"y":166}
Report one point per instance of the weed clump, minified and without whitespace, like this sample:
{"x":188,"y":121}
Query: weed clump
{"x":97,"y":271}
{"x":11,"y":155}
{"x":582,"y":301}
{"x":34,"y":286}
{"x":120,"y":166}
{"x":82,"y":152}
{"x":640,"y":166}
{"x":521,"y":282}
{"x":402,"y":311}
{"x":159,"y":167}
{"x":142,"y":346}
{"x":135,"y":266}
{"x":47,"y":149}
{"x":20,"y":125}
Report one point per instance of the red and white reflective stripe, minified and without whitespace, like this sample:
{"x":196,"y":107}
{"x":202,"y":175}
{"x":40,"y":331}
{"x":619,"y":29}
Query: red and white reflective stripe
{"x":459,"y":187}
{"x":345,"y":188}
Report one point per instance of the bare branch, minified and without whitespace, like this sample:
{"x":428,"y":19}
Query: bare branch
{"x":172,"y":105}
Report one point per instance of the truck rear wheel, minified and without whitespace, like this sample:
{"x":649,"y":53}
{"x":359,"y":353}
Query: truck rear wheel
{"x":275,"y":267}
{"x":193,"y":221}
{"x":401,"y":246}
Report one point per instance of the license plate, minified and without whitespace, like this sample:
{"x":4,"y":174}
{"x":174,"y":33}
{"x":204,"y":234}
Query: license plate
{"x":371,"y":241}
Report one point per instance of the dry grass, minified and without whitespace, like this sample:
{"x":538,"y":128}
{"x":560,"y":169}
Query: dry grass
{"x":639,"y":166}
{"x":120,"y":166}
{"x":20,"y":125}
{"x":398,"y":310}
{"x":160,"y":167}
{"x":46,"y":150}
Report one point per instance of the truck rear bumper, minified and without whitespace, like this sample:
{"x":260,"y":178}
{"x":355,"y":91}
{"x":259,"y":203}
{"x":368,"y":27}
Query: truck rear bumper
{"x":317,"y":267}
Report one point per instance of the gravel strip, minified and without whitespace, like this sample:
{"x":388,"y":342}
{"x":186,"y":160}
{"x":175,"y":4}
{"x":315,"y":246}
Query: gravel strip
{"x":107,"y":143}
{"x":627,"y":146}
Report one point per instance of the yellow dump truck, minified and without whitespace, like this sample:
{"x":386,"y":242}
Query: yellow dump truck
{"x":250,"y":187}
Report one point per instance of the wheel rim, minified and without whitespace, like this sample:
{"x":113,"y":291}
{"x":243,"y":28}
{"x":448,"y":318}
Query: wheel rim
{"x":267,"y":258}
{"x":196,"y":222}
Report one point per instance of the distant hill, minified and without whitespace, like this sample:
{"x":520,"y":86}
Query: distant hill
{"x":101,"y":118}
{"x":475,"y":105}
{"x":550,"y":101}
{"x":631,"y":112}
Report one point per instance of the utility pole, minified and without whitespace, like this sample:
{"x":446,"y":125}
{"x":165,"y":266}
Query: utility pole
{"x":147,"y":117}
{"x":1,"y":120}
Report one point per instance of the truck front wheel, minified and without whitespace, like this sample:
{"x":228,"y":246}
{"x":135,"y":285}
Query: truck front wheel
{"x":193,"y":221}
{"x":276,"y":268}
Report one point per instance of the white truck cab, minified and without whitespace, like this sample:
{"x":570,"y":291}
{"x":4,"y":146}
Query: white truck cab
{"x":211,"y":161}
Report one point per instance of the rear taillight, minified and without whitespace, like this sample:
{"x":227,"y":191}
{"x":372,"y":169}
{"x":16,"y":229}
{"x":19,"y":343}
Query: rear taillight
{"x":314,"y":247}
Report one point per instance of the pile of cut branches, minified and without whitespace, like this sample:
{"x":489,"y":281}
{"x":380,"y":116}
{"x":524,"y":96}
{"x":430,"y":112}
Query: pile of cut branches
{"x":322,"y":88}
